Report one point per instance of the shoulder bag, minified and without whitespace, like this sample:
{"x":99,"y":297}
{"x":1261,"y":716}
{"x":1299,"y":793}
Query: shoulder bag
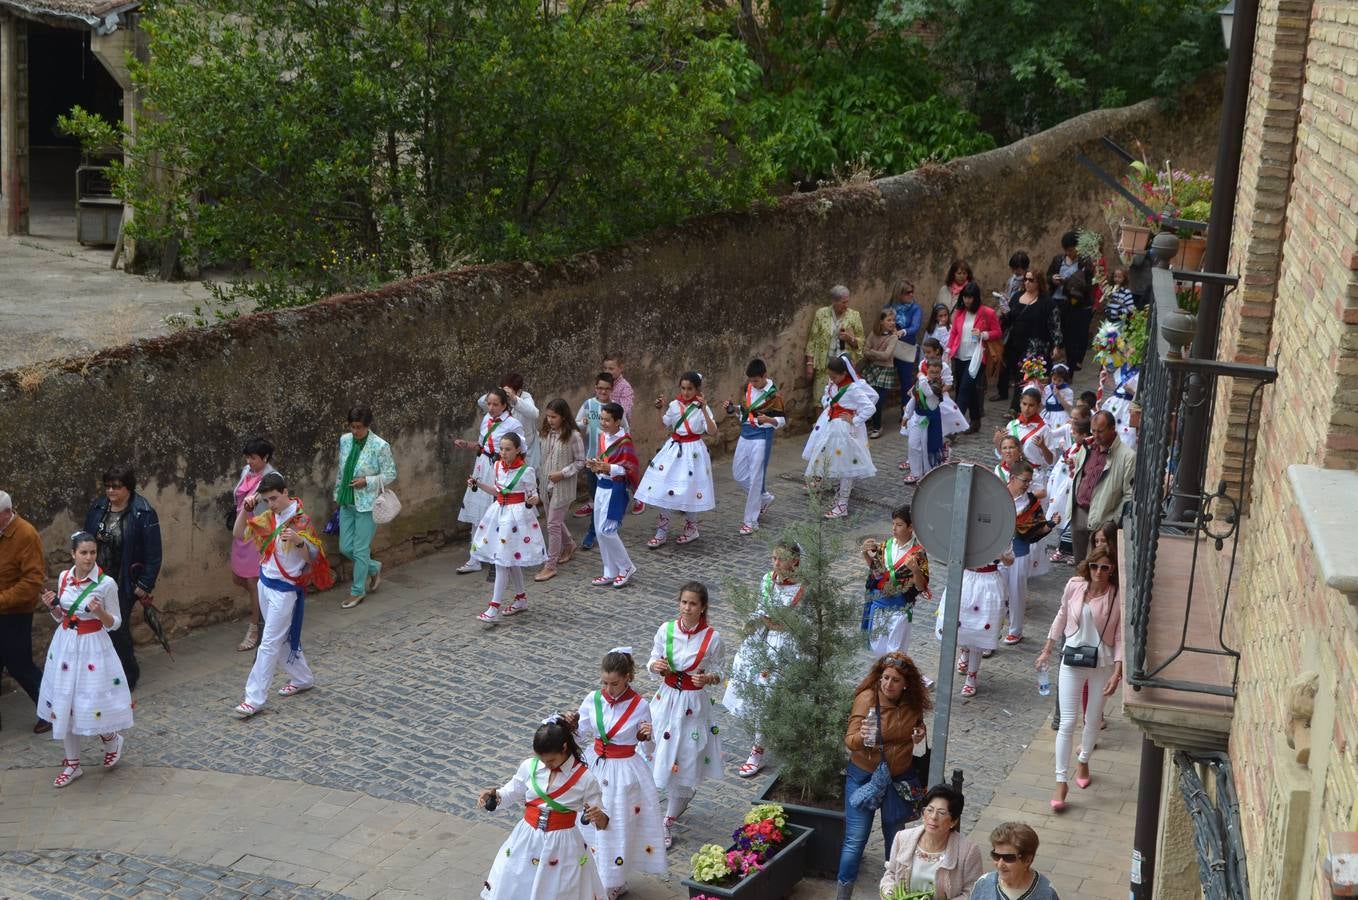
{"x":1085,"y":656}
{"x":386,"y":506}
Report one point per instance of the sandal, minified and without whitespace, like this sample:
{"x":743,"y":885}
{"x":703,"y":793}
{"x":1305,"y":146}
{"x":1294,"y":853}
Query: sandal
{"x":491,"y":614}
{"x":689,"y":536}
{"x":838,"y":511}
{"x":70,"y":772}
{"x":747,"y":529}
{"x":245,"y":710}
{"x":752,"y":765}
{"x":767,"y":501}
{"x":111,"y":757}
{"x":602,"y":581}
{"x":519,"y":605}
{"x":969,"y":688}
{"x":292,"y":688}
{"x":669,"y":833}
{"x":903,"y":466}
{"x":911,"y":479}
{"x":659,"y":540}
{"x":962,"y":664}
{"x":251,"y":639}
{"x":986,"y":654}
{"x":624,"y":577}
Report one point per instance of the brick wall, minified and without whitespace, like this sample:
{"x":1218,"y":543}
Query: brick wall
{"x":1300,"y":300}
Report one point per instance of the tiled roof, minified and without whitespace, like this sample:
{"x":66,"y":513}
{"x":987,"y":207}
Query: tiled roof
{"x":89,"y":11}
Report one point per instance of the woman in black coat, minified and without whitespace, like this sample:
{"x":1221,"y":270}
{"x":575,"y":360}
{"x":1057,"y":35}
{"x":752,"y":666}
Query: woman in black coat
{"x":1034,"y":326}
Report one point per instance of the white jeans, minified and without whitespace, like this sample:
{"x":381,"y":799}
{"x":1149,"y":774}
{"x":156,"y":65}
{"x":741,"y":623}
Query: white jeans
{"x":747,"y":469}
{"x":1070,"y":688}
{"x":1016,"y":588}
{"x":277,"y":607}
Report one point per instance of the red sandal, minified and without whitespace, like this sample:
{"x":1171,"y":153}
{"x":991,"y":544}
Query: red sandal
{"x":70,"y":772}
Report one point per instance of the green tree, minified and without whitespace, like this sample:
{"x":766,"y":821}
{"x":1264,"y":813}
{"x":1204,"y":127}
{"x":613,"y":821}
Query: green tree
{"x":336,"y":145}
{"x":1025,"y":65}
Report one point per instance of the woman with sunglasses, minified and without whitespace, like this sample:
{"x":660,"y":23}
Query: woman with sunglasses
{"x":885,"y":724}
{"x":908,"y":317}
{"x":1090,"y":624}
{"x":933,"y":855}
{"x":1032,"y":324}
{"x":1013,"y":846}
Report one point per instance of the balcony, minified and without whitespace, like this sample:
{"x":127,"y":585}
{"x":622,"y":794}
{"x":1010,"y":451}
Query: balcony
{"x":1178,"y":545}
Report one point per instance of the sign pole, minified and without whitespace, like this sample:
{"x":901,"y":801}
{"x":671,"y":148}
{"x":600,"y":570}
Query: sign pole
{"x":947,"y":654}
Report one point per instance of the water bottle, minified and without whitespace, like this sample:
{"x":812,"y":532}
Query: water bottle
{"x":1044,"y":681}
{"x":871,"y":719}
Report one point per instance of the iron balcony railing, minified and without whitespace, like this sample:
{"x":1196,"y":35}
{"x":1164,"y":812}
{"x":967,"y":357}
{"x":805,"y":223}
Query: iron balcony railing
{"x":1171,"y":389}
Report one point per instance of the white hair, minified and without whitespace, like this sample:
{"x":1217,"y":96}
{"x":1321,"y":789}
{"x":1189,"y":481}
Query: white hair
{"x":839,"y":292}
{"x":5,"y":502}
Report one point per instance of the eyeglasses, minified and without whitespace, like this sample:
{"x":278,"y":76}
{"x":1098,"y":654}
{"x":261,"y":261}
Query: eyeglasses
{"x":936,"y":811}
{"x":113,"y":486}
{"x":1100,"y":567}
{"x":1007,"y":857}
{"x":1029,"y":278}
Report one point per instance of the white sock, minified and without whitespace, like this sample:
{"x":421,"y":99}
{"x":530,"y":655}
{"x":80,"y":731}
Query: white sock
{"x":71,"y":745}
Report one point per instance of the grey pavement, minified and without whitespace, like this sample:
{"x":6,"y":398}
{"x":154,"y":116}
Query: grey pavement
{"x":366,"y":786}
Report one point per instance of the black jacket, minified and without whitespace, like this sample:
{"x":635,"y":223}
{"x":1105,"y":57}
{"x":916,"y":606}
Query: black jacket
{"x":141,"y":545}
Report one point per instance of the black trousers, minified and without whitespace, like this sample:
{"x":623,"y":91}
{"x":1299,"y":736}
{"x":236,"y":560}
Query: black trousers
{"x":970,"y":391}
{"x":16,"y":653}
{"x":1075,"y":322}
{"x":122,"y":642}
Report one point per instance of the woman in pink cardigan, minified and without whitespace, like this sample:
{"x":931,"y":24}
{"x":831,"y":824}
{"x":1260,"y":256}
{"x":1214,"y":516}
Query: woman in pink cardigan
{"x":972,"y":325}
{"x":933,"y":855}
{"x":1089,"y":624}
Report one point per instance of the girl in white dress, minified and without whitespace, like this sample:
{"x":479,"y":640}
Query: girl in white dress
{"x":837,"y":447}
{"x":688,"y":655}
{"x":508,"y":535}
{"x":1058,"y":398}
{"x":495,"y":424}
{"x":546,"y":857}
{"x":618,"y":719}
{"x":680,"y":474}
{"x":521,"y":405}
{"x":978,"y":621}
{"x":1118,"y":388}
{"x":779,"y":588}
{"x":84,"y":690}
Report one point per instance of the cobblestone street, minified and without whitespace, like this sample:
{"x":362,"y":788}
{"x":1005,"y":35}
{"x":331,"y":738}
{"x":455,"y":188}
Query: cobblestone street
{"x":366,"y":786}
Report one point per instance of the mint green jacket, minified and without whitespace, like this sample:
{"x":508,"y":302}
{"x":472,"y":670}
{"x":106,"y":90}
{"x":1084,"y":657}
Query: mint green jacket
{"x":374,"y":463}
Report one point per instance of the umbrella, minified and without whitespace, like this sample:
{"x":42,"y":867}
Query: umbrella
{"x":152,"y":617}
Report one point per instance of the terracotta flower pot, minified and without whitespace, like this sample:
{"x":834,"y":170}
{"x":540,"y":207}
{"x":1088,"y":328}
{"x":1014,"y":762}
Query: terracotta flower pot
{"x":1191,"y":251}
{"x":1132,"y":239}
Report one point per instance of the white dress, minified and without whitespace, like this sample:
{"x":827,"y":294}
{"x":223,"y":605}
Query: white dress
{"x":508,"y":533}
{"x":475,"y":501}
{"x":688,"y":743}
{"x":978,"y":617}
{"x":1119,"y":403}
{"x":680,"y":474}
{"x":744,"y":667}
{"x":953,"y":420}
{"x":634,"y":841}
{"x":533,"y":864}
{"x":525,"y":412}
{"x":84,"y":689}
{"x":1053,"y":411}
{"x":836,"y":448}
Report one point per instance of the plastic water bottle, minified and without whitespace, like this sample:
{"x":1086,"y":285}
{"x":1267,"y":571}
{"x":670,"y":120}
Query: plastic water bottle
{"x":1044,"y":681}
{"x":872,"y":724}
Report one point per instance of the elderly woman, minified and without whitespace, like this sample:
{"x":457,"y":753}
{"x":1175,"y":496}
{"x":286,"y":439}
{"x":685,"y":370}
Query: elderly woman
{"x":885,"y":723}
{"x":835,"y":330}
{"x":933,"y":855}
{"x":1012,"y":847}
{"x":365,"y":468}
{"x":1089,"y":623}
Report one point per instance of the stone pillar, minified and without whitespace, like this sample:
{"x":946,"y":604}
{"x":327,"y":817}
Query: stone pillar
{"x":13,"y":127}
{"x":1176,"y":859}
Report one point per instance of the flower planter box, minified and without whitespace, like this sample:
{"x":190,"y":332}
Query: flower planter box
{"x":1133,"y":239}
{"x":777,"y":879}
{"x":1191,"y":251}
{"x":827,"y":839}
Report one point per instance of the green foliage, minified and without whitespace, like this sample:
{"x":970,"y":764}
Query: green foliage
{"x":803,"y":712}
{"x":709,"y":864}
{"x":1025,"y":65}
{"x":337,"y":146}
{"x":97,"y":136}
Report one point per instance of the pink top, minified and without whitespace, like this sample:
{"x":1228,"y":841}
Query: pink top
{"x":986,"y":320}
{"x":624,"y":396}
{"x":1067,"y":621}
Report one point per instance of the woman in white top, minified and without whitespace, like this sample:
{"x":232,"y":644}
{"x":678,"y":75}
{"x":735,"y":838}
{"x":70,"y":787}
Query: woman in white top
{"x":84,"y":690}
{"x":1090,"y":624}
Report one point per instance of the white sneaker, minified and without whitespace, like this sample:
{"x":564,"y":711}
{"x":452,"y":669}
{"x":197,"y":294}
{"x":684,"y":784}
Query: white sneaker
{"x":469,"y":567}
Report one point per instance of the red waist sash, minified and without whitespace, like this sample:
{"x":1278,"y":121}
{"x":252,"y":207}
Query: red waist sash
{"x":614,"y":751}
{"x":990,"y":568}
{"x":682,"y":680}
{"x":544,"y":819}
{"x":509,"y":499}
{"x":836,"y":411}
{"x":87,"y":626}
{"x":685,"y":438}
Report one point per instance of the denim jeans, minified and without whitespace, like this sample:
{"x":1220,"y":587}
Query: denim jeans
{"x":905,"y":375}
{"x":592,"y":482}
{"x":858,"y":824}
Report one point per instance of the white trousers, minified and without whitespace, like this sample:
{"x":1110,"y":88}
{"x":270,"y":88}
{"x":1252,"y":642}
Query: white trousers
{"x":1016,"y":588}
{"x":611,"y":551}
{"x":277,"y":607}
{"x":747,"y":469}
{"x":1070,"y":689}
{"x":890,"y":633}
{"x":917,"y":452}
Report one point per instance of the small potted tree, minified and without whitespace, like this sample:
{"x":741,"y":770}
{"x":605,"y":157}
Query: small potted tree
{"x":802,"y":712}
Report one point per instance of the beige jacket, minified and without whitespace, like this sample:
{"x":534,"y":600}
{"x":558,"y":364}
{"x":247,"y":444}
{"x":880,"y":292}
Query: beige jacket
{"x":1114,"y":489}
{"x":957,"y":872}
{"x":565,"y":457}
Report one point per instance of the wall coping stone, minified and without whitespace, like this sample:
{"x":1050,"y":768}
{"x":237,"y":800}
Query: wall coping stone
{"x":1328,"y":500}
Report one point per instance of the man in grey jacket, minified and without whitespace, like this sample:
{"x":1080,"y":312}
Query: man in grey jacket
{"x":1103,"y":482}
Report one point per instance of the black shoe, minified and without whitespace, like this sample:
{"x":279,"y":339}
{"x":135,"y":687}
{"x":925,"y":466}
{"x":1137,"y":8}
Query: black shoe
{"x":1056,"y":723}
{"x":41,"y":727}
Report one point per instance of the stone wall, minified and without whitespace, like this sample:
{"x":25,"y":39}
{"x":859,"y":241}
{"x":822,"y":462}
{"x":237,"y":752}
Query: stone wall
{"x":706,"y":296}
{"x":1299,"y":304}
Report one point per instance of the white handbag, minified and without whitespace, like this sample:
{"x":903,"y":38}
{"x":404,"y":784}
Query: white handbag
{"x":386,"y":506}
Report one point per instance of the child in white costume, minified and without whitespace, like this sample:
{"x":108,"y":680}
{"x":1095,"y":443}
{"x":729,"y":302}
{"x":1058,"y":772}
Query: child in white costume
{"x":84,"y":689}
{"x":837,"y":447}
{"x":618,"y":721}
{"x":617,"y":469}
{"x":680,"y":474}
{"x":778,"y":588}
{"x":1123,"y":382}
{"x":508,"y":535}
{"x":978,"y":622}
{"x":898,"y":574}
{"x":761,"y":414}
{"x":495,"y":424}
{"x":525,"y":411}
{"x":546,"y":856}
{"x":1058,"y":398}
{"x":688,"y":655}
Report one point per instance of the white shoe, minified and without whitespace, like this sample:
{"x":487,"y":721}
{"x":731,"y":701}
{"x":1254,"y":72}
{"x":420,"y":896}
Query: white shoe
{"x":767,"y":502}
{"x":245,"y":710}
{"x":113,"y":750}
{"x":469,"y":567}
{"x":491,"y":614}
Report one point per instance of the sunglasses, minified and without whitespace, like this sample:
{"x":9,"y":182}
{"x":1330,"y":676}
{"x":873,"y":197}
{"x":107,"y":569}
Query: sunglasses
{"x":113,"y":486}
{"x":1007,"y":857}
{"x":1100,"y":567}
{"x":1029,"y":278}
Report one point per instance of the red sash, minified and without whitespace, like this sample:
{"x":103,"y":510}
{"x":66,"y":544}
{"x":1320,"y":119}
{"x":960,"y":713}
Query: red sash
{"x":1014,"y":427}
{"x":88,"y":626}
{"x":548,"y":820}
{"x":683,"y":680}
{"x":508,"y":499}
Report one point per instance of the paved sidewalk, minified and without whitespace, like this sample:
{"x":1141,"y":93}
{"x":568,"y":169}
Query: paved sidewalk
{"x":366,"y":786}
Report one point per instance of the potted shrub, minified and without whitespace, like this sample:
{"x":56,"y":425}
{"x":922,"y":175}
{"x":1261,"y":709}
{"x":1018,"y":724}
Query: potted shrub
{"x":803,"y":712}
{"x":765,"y":859}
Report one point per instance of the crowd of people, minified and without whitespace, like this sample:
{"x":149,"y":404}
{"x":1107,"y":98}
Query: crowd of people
{"x":590,"y":794}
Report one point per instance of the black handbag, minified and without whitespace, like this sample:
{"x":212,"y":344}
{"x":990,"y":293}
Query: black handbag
{"x":1084,"y":656}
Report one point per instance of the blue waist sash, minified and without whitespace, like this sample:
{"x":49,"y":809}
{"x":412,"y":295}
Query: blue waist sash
{"x":295,"y":629}
{"x":617,"y":498}
{"x":875,"y":601}
{"x":1020,"y":547}
{"x":1054,"y":406}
